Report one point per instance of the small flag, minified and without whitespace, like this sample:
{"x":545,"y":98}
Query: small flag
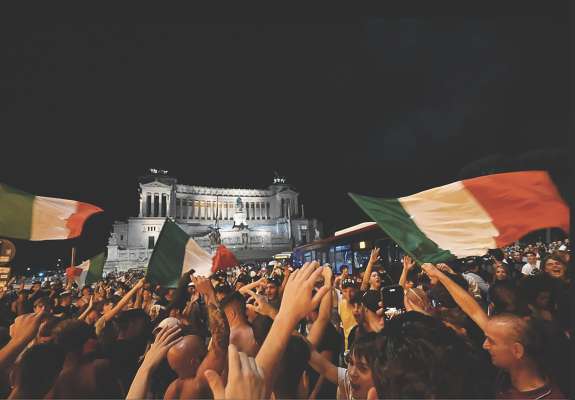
{"x":223,"y":259}
{"x":90,"y":271}
{"x":175,"y":254}
{"x":468,"y":217}
{"x":29,"y":217}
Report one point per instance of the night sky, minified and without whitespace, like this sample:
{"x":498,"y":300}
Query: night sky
{"x":386,"y":107}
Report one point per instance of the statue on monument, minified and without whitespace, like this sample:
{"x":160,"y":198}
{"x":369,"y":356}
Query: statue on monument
{"x":112,"y":241}
{"x":215,"y":237}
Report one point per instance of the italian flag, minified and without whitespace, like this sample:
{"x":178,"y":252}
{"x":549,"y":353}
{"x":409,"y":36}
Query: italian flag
{"x":29,"y":217}
{"x":468,"y":217}
{"x":175,"y":254}
{"x":90,"y":271}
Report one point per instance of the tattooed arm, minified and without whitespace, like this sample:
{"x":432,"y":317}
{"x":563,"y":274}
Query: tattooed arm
{"x":216,"y":359}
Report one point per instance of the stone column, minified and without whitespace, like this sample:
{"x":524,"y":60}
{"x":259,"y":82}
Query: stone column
{"x":141,"y":205}
{"x":153,"y":213}
{"x":168,"y":208}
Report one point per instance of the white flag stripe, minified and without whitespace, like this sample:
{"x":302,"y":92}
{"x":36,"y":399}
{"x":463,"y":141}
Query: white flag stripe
{"x":452,"y":217}
{"x":197,"y":258}
{"x":49,"y":217}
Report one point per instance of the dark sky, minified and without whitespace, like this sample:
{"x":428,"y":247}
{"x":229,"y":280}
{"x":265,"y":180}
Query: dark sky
{"x":385,"y":107}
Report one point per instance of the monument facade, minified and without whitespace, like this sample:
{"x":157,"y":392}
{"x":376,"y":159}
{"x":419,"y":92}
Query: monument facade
{"x":255,"y":224}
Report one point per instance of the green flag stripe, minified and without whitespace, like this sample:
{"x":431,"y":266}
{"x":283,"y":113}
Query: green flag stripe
{"x":96,"y":268}
{"x":166,"y":262}
{"x":15,"y":213}
{"x":392,"y":218}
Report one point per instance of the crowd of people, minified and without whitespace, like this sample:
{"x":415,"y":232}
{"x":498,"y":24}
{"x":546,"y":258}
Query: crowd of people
{"x":483,"y":327}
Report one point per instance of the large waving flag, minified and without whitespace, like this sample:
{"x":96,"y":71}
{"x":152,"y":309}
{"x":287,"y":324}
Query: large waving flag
{"x":468,"y":217}
{"x":175,"y":254}
{"x":90,"y":271}
{"x":29,"y":217}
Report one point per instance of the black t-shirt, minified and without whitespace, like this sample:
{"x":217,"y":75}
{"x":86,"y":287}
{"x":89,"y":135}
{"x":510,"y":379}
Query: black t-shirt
{"x":331,"y":341}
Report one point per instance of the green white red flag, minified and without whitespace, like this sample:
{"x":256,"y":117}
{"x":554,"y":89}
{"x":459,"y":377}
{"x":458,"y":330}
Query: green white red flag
{"x":26,"y":216}
{"x":469,"y":217}
{"x":90,"y":271}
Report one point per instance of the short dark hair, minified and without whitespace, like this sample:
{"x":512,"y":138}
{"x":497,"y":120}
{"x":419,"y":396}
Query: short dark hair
{"x":417,"y":356}
{"x":71,"y":334}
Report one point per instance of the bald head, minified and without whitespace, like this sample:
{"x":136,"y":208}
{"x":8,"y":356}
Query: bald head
{"x":185,"y":356}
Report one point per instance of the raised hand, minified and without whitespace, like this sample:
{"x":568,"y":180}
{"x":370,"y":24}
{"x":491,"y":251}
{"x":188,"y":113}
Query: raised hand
{"x":431,"y":270}
{"x":204,"y":287}
{"x":297,"y":299}
{"x":374,"y":256}
{"x":245,"y":378}
{"x":445,"y":268}
{"x":408,"y":263}
{"x":166,"y":338}
{"x":261,"y":305}
{"x":25,"y":327}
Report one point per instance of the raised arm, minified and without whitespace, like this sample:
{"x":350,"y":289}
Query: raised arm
{"x":88,"y":309}
{"x":372,"y":260}
{"x":408,"y":264}
{"x":22,"y":332}
{"x":318,"y":327}
{"x":463,"y":299}
{"x":245,"y":289}
{"x":287,"y":273}
{"x":323,"y":366}
{"x":297,"y":301}
{"x":165,"y":339}
{"x":122,"y":303}
{"x":215,"y":360}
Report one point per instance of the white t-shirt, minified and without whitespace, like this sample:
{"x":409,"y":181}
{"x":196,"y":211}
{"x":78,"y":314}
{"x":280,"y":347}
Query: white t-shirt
{"x":529,"y":269}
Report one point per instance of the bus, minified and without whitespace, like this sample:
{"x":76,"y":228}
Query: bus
{"x":350,"y":247}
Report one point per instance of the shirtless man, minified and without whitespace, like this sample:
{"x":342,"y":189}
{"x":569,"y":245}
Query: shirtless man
{"x":241,"y":333}
{"x":189,"y":357}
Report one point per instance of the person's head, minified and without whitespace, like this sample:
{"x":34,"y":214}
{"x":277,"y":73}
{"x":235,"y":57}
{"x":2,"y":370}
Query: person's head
{"x":501,"y":273}
{"x":531,"y":257}
{"x":65,"y":299}
{"x":272,"y":288}
{"x":147,"y":294}
{"x":348,"y":288}
{"x":415,"y":299}
{"x":37,"y":370}
{"x":512,"y":341}
{"x":454,"y":319}
{"x":36,"y":286}
{"x":43,"y":304}
{"x":170,"y":294}
{"x":358,"y":309}
{"x":555,"y":267}
{"x":234,"y":306}
{"x":222,"y":289}
{"x":133,"y":324}
{"x":517,"y":257}
{"x":507,"y":298}
{"x":359,"y":361}
{"x":86,"y":291}
{"x":539,"y":291}
{"x":73,"y":335}
{"x":417,"y":356}
{"x":186,"y":356}
{"x":375,"y":281}
{"x":109,"y":304}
